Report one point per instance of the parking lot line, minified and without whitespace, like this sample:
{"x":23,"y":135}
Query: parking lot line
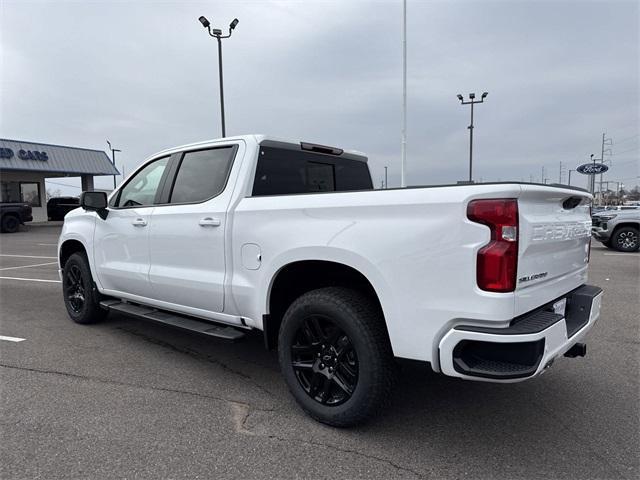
{"x":24,"y":256}
{"x":626,"y":254}
{"x":28,"y":266}
{"x":49,"y":244}
{"x":30,"y":279}
{"x":12,"y":339}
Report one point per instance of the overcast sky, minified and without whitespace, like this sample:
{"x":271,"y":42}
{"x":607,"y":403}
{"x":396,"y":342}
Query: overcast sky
{"x":144,"y":75}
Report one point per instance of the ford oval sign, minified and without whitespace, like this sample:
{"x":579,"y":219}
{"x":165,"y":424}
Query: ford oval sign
{"x":592,"y":168}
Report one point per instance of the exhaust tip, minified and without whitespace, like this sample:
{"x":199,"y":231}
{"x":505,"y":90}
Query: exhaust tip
{"x":578,"y":350}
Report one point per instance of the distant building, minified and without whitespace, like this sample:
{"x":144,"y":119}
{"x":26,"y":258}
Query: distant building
{"x":24,"y":166}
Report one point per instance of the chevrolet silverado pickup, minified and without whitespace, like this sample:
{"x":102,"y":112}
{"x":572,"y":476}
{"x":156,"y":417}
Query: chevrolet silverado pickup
{"x":485,"y":282}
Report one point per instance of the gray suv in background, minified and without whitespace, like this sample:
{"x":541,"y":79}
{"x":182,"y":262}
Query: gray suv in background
{"x":617,"y":229}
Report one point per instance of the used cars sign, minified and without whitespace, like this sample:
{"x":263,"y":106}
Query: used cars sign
{"x":592,"y":168}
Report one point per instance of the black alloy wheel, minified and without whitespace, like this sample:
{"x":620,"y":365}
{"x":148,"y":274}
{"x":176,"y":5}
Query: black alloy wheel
{"x":74,"y":288}
{"x":81,"y":297}
{"x":335,"y":355}
{"x":325,"y":361}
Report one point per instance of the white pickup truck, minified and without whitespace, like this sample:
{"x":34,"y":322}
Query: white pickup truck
{"x":484,"y":282}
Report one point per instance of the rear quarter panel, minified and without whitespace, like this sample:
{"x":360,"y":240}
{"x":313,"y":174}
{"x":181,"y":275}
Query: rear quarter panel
{"x":415,"y":246}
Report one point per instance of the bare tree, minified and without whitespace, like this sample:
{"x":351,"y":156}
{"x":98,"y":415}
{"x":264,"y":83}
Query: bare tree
{"x":53,"y":193}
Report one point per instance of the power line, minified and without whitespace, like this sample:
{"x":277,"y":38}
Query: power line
{"x":626,"y":161}
{"x":63,"y":184}
{"x":627,"y":139}
{"x":625,"y":178}
{"x":625,"y":151}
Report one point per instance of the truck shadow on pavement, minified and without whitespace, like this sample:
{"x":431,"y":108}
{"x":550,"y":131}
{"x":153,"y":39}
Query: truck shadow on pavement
{"x":432,"y":414}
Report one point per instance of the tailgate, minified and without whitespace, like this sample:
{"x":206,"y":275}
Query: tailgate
{"x":555,"y":231}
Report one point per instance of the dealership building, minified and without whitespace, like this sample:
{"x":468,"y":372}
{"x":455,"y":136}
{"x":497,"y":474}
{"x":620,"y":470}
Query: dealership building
{"x":24,"y":166}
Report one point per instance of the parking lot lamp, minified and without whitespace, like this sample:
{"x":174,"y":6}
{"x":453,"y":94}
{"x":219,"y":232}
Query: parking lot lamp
{"x":217,"y":34}
{"x":472,"y":101}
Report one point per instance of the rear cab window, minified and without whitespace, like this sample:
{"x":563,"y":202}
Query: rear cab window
{"x":284,"y":169}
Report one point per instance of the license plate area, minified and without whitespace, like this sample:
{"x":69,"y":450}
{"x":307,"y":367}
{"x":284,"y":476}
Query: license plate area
{"x":560,"y":306}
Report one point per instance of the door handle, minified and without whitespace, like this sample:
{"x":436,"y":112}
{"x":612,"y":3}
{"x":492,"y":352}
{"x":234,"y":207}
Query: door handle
{"x":139,"y":222}
{"x":209,"y":222}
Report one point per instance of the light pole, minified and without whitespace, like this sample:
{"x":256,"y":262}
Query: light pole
{"x":217,"y":34}
{"x":471,"y":102}
{"x":403,"y":142}
{"x":593,"y":176}
{"x":386,"y":183}
{"x":570,"y":170}
{"x":113,"y":160}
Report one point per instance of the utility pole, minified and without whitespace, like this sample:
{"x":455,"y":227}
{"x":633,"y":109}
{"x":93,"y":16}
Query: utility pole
{"x":605,"y":141}
{"x":471,"y":102}
{"x":386,"y":183}
{"x":542,"y":176}
{"x":560,"y":174}
{"x":403,"y":150}
{"x":593,"y":177}
{"x":217,"y":34}
{"x":570,"y":170}
{"x":113,"y":160}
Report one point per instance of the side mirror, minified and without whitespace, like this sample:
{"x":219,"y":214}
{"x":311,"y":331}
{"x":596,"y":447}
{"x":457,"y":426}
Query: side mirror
{"x":95,"y":201}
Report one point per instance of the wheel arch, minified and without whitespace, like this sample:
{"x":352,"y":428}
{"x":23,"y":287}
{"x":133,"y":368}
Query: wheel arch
{"x":631,"y":224}
{"x":68,"y":248}
{"x":297,"y":277}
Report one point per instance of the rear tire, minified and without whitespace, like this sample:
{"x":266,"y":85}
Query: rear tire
{"x":625,"y":239}
{"x":10,"y":224}
{"x":336,"y":357}
{"x":80,"y":294}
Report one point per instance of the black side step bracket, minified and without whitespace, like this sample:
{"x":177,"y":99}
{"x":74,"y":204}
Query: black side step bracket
{"x":175,"y":320}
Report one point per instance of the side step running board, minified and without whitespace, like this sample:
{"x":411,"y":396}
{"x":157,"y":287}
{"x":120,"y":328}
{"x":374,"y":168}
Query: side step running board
{"x":175,"y":320}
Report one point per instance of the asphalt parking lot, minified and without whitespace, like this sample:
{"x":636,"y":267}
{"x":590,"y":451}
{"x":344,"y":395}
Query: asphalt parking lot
{"x":131,"y":399}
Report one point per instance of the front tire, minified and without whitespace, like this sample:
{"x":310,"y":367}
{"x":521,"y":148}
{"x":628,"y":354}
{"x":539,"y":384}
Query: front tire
{"x":625,"y":239}
{"x":608,"y":244}
{"x":80,"y":295}
{"x":335,"y":356}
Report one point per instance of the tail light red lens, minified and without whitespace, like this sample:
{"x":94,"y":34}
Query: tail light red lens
{"x":497,"y":262}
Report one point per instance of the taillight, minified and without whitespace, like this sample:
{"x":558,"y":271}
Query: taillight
{"x":497,"y":263}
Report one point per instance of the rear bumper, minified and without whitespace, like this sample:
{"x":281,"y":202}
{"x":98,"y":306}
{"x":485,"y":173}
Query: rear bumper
{"x":526,"y":347}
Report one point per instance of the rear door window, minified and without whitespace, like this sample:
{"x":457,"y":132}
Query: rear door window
{"x":202,"y":175}
{"x":282,"y":171}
